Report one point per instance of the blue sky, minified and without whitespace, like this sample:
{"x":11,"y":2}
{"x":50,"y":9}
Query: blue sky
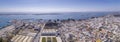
{"x":58,"y":5}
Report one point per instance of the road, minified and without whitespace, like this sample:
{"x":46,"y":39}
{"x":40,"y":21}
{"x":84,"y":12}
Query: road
{"x":37,"y":37}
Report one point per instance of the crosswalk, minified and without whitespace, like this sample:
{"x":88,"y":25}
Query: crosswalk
{"x":25,"y":40}
{"x":14,"y":38}
{"x":21,"y":38}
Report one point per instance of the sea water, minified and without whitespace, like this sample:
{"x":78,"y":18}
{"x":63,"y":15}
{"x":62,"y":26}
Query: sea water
{"x":4,"y":19}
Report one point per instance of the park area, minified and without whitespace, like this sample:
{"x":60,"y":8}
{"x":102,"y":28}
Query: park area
{"x":49,"y":39}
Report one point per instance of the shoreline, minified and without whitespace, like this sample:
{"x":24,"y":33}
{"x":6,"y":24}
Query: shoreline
{"x":5,"y":26}
{"x":8,"y":28}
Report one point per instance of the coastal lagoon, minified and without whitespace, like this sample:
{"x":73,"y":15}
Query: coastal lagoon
{"x":4,"y":18}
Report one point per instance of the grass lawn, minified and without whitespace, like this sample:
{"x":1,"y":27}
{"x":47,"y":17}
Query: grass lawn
{"x":43,"y":39}
{"x":48,"y":39}
{"x":54,"y":39}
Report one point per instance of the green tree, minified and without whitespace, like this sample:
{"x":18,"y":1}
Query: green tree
{"x":0,"y":39}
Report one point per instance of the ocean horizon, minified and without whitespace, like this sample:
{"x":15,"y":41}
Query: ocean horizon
{"x":6,"y":17}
